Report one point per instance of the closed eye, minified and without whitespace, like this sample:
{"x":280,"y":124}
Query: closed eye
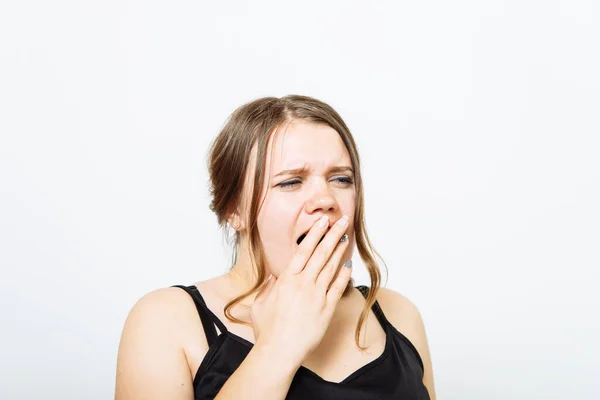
{"x":342,"y":179}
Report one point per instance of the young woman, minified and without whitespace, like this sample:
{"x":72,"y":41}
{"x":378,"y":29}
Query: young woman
{"x":286,"y":321}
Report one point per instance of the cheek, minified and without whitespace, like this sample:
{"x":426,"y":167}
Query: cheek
{"x":277,"y":256}
{"x":275,"y":219}
{"x":275,"y":226}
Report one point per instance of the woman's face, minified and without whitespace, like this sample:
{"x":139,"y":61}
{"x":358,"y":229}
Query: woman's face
{"x":323,"y":184}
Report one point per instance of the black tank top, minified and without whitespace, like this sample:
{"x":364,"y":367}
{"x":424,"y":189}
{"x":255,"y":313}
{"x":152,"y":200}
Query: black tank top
{"x":396,"y":374}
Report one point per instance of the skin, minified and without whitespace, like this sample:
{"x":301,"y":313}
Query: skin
{"x":293,"y":202}
{"x":163,"y":341}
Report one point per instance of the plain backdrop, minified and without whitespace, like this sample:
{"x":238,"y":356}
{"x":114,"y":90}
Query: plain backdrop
{"x":478,"y":127}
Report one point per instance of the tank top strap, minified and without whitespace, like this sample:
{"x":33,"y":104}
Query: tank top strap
{"x":376,"y":308}
{"x":207,"y":317}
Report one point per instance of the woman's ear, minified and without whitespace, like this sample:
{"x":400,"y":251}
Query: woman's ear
{"x":235,"y":222}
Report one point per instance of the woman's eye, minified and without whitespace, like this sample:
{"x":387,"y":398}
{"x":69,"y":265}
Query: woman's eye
{"x":342,"y":179}
{"x":289,"y":183}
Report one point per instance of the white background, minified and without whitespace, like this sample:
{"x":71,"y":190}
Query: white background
{"x":478,"y":127}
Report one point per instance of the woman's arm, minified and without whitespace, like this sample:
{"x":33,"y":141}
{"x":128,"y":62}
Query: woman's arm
{"x":263,"y":375}
{"x":406,"y":318}
{"x":151,"y":363}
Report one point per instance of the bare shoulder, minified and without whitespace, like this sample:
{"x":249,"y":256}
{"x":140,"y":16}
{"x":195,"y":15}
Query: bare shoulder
{"x":161,"y":315}
{"x":152,"y":361}
{"x":170,"y":303}
{"x":400,"y":311}
{"x":404,"y":315}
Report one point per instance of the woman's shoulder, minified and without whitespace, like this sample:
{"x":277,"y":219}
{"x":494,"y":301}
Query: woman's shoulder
{"x":397,"y":307}
{"x":399,"y":310}
{"x":172,"y":307}
{"x":404,"y":315}
{"x":159,"y":325}
{"x":172,"y":303}
{"x":161,"y":316}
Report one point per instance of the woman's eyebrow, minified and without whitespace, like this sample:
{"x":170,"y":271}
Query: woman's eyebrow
{"x":304,"y":169}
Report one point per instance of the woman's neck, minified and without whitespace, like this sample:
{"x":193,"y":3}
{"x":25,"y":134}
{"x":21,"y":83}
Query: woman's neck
{"x":242,"y":277}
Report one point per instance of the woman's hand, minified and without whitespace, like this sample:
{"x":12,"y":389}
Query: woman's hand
{"x":291,"y":314}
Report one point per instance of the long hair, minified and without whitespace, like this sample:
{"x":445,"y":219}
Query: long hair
{"x":228,"y":161}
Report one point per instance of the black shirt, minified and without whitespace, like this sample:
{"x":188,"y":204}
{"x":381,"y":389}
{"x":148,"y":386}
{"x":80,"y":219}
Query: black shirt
{"x":396,"y":374}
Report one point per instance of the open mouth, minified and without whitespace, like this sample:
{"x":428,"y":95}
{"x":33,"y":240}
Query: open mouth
{"x":301,"y":238}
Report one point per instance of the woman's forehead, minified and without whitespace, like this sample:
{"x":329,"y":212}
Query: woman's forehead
{"x":301,"y":144}
{"x":298,"y":145}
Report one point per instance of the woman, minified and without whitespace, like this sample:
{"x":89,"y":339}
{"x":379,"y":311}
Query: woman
{"x":286,"y":322}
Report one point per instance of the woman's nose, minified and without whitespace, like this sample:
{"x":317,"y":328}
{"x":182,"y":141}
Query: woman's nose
{"x":321,"y":200}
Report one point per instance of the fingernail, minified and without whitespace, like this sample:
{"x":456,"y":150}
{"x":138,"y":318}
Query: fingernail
{"x":348,"y":264}
{"x":344,"y":220}
{"x":323,"y":221}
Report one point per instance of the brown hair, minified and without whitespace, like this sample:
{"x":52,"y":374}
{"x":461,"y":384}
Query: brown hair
{"x":228,"y":160}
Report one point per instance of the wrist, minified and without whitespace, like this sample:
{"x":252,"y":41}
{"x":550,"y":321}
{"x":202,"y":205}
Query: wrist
{"x":279,"y":361}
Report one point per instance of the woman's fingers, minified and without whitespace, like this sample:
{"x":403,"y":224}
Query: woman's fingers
{"x":338,"y":286}
{"x":325,"y":249}
{"x":295,"y":309}
{"x":329,"y":270}
{"x":307,"y":246}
